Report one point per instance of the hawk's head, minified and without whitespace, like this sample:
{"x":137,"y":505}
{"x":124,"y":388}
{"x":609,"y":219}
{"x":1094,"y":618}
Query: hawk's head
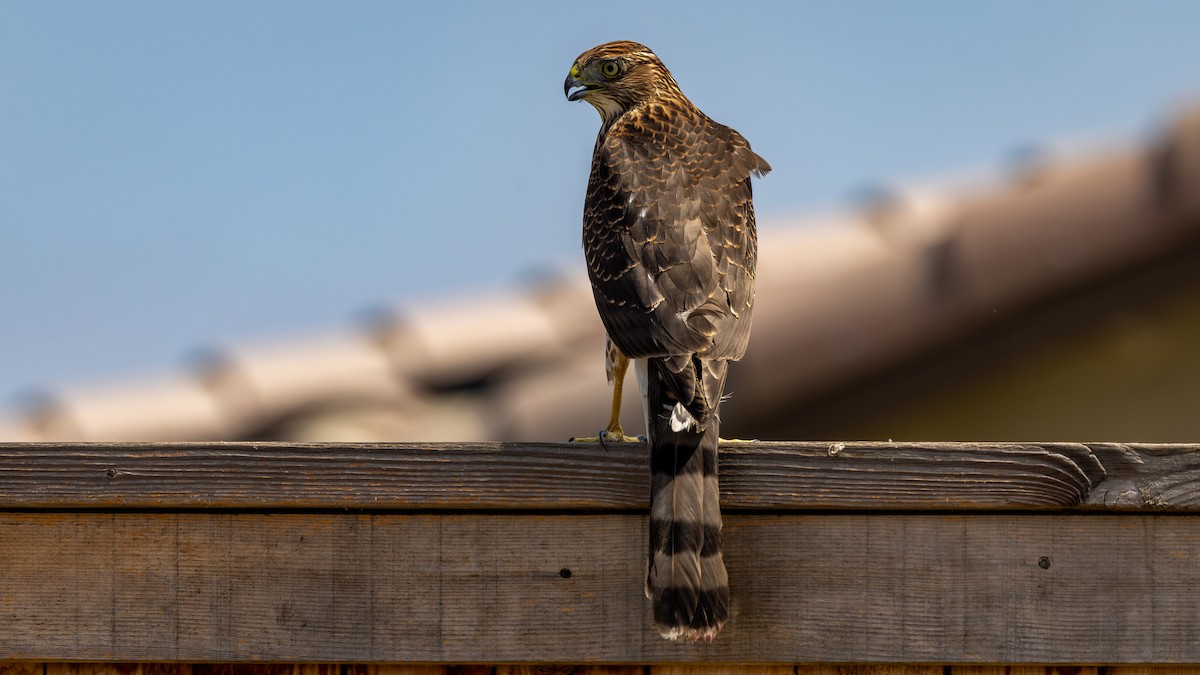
{"x":617,"y":76}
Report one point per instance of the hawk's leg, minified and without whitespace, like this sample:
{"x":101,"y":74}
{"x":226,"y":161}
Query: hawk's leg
{"x":616,"y":365}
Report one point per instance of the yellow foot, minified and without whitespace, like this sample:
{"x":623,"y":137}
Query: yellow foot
{"x":609,"y":436}
{"x":722,"y":441}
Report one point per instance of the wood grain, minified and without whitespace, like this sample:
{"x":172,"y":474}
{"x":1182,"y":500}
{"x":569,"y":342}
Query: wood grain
{"x":1154,"y":670}
{"x":730,"y":669}
{"x":265,"y":669}
{"x":394,"y":669}
{"x":30,"y":668}
{"x":884,"y":669}
{"x":569,"y":670}
{"x":125,"y":669}
{"x":571,"y":477}
{"x":544,"y":589}
{"x":1027,"y":670}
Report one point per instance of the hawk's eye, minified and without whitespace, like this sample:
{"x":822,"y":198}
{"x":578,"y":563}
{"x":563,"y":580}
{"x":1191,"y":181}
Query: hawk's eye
{"x":610,"y":69}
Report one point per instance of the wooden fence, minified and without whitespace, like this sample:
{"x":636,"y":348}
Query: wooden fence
{"x":920,"y":559}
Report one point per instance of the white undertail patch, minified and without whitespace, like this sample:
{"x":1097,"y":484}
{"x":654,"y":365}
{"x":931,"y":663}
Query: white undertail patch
{"x":681,"y":419}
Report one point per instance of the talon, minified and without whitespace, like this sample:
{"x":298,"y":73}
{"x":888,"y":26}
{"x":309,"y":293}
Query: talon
{"x":584,"y":439}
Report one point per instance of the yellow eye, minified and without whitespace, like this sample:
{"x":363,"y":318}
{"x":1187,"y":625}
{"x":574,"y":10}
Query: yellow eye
{"x":610,"y":69}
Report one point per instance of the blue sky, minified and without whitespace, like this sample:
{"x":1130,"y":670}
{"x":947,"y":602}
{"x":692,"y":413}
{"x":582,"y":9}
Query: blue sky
{"x":177,"y":175}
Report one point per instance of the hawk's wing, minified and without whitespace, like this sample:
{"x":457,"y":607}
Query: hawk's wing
{"x":669,"y":235}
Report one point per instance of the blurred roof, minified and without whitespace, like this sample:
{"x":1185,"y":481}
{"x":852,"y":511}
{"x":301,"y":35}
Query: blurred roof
{"x":839,"y":300}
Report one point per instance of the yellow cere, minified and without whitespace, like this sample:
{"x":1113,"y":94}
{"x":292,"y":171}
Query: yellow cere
{"x":575,"y":70}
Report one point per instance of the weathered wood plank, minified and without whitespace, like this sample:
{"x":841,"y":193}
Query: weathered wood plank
{"x":127,"y":669}
{"x":33,"y":668}
{"x":265,"y":669}
{"x":537,"y":589}
{"x":732,"y":669}
{"x":1154,"y":670}
{"x":755,"y":476}
{"x":883,"y":669}
{"x":1025,"y":670}
{"x":279,"y":475}
{"x":395,"y":669}
{"x":570,"y":670}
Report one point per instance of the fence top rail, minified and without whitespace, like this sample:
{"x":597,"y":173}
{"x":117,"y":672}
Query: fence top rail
{"x":758,"y":476}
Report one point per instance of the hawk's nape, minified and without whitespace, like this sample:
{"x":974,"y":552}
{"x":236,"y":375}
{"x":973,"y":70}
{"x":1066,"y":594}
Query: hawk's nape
{"x":671,"y":248}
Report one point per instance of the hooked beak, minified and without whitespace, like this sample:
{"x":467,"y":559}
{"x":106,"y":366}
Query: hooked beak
{"x":574,"y":88}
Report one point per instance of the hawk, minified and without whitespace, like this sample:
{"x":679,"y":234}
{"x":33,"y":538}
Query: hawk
{"x":670,"y":243}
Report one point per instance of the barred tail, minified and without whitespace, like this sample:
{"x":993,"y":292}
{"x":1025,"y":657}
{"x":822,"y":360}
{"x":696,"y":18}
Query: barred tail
{"x":686,"y":580}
